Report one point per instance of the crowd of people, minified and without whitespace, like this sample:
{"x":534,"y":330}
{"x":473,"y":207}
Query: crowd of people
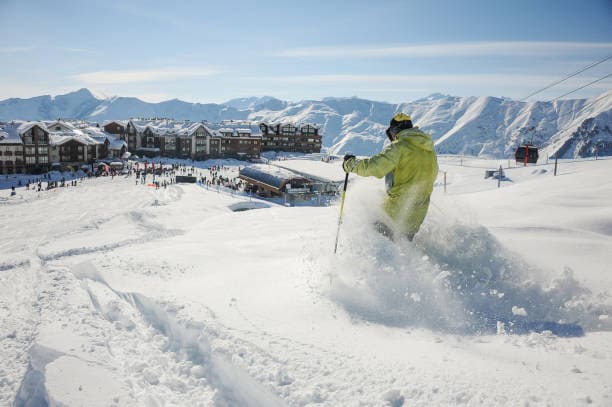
{"x":157,"y":175}
{"x":164,"y":175}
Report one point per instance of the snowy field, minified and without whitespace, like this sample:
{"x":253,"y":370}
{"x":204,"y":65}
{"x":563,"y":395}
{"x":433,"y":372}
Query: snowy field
{"x":116,"y":294}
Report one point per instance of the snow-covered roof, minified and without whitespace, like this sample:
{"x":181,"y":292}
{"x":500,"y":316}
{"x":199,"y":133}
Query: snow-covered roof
{"x":9,"y":134}
{"x":52,"y":125}
{"x":120,"y":122}
{"x":166,"y":127}
{"x":61,"y":137}
{"x":25,"y":126}
{"x":269,"y":174}
{"x":116,"y":143}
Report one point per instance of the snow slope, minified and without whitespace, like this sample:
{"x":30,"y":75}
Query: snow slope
{"x":113,"y":293}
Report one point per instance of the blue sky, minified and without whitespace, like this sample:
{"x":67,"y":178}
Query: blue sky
{"x":213,"y":51}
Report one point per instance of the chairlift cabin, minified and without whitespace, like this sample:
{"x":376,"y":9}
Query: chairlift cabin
{"x":526,"y":154}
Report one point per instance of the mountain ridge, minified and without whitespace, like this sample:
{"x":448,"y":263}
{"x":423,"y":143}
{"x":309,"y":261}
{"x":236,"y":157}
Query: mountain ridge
{"x":484,"y":126}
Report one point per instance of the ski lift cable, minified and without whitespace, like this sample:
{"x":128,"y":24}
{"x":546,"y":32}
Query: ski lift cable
{"x":604,"y":96}
{"x":525,"y":147}
{"x":580,"y":110}
{"x":582,"y":87}
{"x":575,"y":112}
{"x":568,"y":77}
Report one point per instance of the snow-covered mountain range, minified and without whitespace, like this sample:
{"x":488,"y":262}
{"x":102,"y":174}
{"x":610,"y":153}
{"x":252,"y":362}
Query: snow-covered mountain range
{"x":479,"y":126}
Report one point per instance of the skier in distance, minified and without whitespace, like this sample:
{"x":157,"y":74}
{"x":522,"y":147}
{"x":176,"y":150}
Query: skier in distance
{"x":410,"y":167}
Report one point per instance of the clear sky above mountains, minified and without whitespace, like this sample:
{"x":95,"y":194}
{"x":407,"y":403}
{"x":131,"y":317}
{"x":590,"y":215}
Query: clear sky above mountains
{"x":396,"y":51}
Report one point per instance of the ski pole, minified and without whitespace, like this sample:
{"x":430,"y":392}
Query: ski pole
{"x":341,"y":209}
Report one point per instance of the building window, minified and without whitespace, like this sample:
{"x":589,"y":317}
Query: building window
{"x":288,"y":130}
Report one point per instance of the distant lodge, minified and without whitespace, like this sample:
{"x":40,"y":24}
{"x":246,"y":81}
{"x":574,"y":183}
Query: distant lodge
{"x":198,"y":141}
{"x":34,"y":147}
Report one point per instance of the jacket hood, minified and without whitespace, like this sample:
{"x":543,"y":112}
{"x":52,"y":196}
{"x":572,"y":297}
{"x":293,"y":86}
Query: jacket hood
{"x":417,"y":138}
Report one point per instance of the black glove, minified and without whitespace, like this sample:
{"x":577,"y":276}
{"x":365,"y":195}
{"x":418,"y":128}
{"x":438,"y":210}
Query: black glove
{"x":349,"y":162}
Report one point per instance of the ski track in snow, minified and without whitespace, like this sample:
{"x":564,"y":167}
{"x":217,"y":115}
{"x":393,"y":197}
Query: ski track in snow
{"x":127,"y":328}
{"x":195,"y":366}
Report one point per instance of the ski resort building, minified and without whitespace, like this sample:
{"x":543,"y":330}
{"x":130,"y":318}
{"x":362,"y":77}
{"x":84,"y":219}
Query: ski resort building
{"x":194,"y":140}
{"x":36,"y":147}
{"x":26,"y":147}
{"x":269,"y":180}
{"x":11,"y":150}
{"x":290,"y":137}
{"x":116,"y":127}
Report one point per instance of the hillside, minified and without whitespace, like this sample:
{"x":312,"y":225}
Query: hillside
{"x":113,"y":293}
{"x":478,"y":126}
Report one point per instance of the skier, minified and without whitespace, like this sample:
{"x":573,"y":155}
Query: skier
{"x":410,"y":167}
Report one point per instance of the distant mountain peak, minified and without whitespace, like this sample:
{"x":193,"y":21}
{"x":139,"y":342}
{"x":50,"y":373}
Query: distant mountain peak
{"x":433,"y":96}
{"x":81,"y":92}
{"x":250,"y":102}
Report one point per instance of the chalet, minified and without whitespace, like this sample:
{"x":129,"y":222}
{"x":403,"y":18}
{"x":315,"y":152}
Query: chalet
{"x":270,"y":180}
{"x":206,"y":142}
{"x":71,"y":149}
{"x":11,"y":150}
{"x":35,"y":138}
{"x":151,"y":138}
{"x":73,"y":144}
{"x":108,"y":145}
{"x":117,"y":128}
{"x":290,"y":137}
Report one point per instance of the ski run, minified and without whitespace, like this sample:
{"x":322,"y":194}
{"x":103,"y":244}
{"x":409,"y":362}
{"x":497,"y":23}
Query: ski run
{"x":119,"y":294}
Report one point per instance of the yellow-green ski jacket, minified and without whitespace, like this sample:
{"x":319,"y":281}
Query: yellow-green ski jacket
{"x":410,"y":167}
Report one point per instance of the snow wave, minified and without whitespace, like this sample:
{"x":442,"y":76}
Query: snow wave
{"x":455,"y":277}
